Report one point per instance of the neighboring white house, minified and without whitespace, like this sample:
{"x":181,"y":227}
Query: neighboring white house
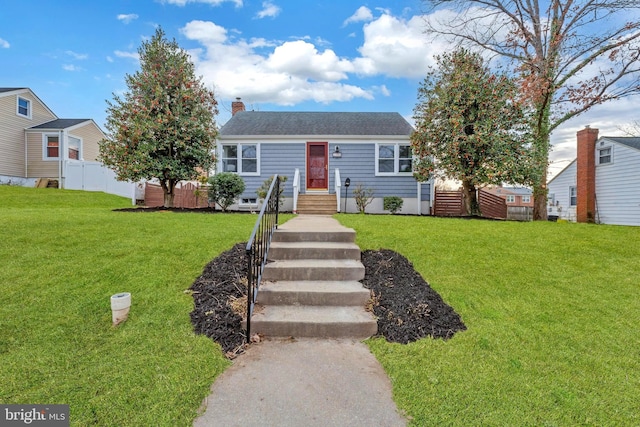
{"x":602,"y":184}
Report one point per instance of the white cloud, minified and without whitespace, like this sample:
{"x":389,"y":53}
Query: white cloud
{"x":302,"y":59}
{"x":71,"y":67}
{"x":123,"y":54}
{"x":397,"y":48}
{"x":363,"y":14}
{"x":109,"y":59}
{"x":127,"y":18}
{"x":269,"y":10}
{"x":4,"y":44}
{"x":238,"y":3}
{"x":290,"y":73}
{"x":79,"y":56}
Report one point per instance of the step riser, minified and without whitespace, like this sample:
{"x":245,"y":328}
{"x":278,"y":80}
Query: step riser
{"x":271,"y":297}
{"x":315,"y":273}
{"x":314,"y":330}
{"x":315,"y":236}
{"x":314,"y":253}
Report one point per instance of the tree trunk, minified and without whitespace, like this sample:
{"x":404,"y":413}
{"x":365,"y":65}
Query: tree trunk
{"x":470,"y":199}
{"x":168,"y":187}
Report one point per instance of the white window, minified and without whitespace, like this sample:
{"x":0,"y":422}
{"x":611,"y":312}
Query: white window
{"x":604,"y":155}
{"x":51,"y":146}
{"x":573,"y":196}
{"x":511,"y":198}
{"x":243,"y":159}
{"x":394,"y":159}
{"x":75,"y":146}
{"x":526,"y":199}
{"x":24,"y":107}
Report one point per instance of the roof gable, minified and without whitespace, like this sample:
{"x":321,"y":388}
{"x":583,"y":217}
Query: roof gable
{"x":8,"y":91}
{"x":262,"y":123}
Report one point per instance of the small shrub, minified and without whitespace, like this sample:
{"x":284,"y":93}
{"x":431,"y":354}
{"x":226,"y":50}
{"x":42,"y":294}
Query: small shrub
{"x":225,"y":187}
{"x":363,"y":197}
{"x":392,"y":203}
{"x":264,"y":189}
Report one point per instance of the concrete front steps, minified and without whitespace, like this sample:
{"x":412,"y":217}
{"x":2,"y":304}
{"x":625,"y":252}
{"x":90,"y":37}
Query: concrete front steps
{"x":311,"y":288}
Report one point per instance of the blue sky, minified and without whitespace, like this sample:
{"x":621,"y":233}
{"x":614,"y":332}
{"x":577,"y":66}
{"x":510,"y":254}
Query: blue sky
{"x":333,"y":55}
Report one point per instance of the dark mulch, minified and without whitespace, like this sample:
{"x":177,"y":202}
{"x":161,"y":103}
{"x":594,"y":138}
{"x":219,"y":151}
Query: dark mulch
{"x":406,"y":306}
{"x":222,"y":280}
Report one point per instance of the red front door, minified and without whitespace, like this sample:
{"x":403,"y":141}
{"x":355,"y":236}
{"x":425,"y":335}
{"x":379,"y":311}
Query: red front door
{"x":317,"y":166}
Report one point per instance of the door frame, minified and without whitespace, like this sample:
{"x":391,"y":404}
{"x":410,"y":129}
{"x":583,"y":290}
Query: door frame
{"x":324,"y":144}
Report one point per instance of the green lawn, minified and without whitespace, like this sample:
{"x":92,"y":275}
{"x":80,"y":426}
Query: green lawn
{"x":553,"y":317}
{"x":552,"y":310}
{"x":64,"y":253}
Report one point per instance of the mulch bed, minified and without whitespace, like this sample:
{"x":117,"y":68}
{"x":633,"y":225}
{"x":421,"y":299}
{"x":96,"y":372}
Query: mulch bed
{"x":406,"y":306}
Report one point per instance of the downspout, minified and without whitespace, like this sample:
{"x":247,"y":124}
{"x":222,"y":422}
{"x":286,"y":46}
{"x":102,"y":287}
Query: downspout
{"x":432,"y":195}
{"x":419,"y":197}
{"x":60,"y":156}
{"x":26,"y":156}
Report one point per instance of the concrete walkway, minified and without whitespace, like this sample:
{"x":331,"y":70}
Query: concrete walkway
{"x":307,"y":382}
{"x":303,"y":382}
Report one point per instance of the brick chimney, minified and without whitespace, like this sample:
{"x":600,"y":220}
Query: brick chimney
{"x":586,"y":175}
{"x":236,"y":106}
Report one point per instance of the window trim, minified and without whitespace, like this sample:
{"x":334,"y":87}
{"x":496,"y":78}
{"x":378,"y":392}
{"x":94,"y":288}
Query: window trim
{"x":68,"y":146}
{"x":239,"y":146}
{"x":528,"y":199}
{"x":28,"y":101}
{"x":45,"y":146}
{"x":396,"y":159}
{"x":510,"y":198}
{"x":599,"y":156}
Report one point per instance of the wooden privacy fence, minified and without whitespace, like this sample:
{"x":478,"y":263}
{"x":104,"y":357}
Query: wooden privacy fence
{"x":492,"y":206}
{"x":185,"y":196}
{"x":450,"y":203}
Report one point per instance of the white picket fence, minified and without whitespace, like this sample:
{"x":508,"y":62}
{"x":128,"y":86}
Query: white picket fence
{"x":93,"y":176}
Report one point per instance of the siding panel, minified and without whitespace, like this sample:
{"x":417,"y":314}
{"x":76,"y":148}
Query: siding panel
{"x":618,"y":188}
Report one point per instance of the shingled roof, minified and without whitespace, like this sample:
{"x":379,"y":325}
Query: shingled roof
{"x":60,"y":124}
{"x":260,"y":123}
{"x":633,"y":142}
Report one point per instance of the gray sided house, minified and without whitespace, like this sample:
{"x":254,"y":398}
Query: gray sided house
{"x":318,"y":152}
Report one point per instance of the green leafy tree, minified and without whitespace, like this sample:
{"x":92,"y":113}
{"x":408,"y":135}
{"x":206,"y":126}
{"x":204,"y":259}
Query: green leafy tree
{"x":470,"y":126}
{"x":163,"y":126}
{"x":224,"y":188}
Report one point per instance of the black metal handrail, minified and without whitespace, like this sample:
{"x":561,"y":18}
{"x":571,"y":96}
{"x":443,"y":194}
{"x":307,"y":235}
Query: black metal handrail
{"x":258,"y":246}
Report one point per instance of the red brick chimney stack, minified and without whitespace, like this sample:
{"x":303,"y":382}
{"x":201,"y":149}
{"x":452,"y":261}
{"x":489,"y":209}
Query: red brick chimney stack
{"x":586,"y":175}
{"x":237,"y":106}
